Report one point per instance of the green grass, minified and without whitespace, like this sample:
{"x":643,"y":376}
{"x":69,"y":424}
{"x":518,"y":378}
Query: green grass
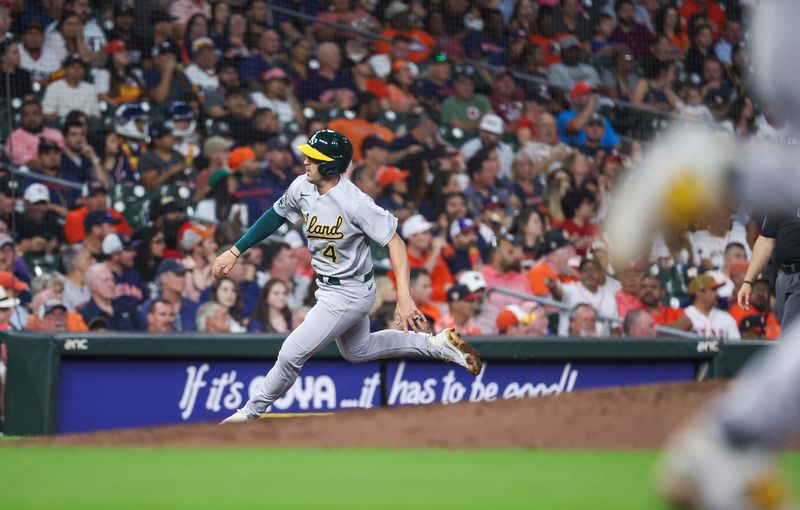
{"x":119,"y":478}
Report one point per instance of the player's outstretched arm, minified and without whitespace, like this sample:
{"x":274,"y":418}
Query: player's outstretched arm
{"x":268,"y":223}
{"x":406,"y":313}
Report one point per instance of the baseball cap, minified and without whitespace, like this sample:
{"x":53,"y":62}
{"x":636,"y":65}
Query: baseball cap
{"x":461,"y":293}
{"x":415,"y":224}
{"x":493,"y":202}
{"x":194,"y":235}
{"x":6,"y":239}
{"x":115,"y":46}
{"x":239,"y":156}
{"x":162,"y":48}
{"x":7,"y":301}
{"x":216,"y":144}
{"x":567,"y":42}
{"x":9,"y":281}
{"x":114,"y":243}
{"x":36,"y":193}
{"x":390,"y":174}
{"x":218,"y":175}
{"x":158,"y":130}
{"x":464,"y":72}
{"x":552,"y":241}
{"x":276,"y":73}
{"x":394,"y":8}
{"x":171,"y":265}
{"x":202,"y":42}
{"x":93,"y":188}
{"x":461,"y":225}
{"x":72,"y":60}
{"x":595,"y":118}
{"x":472,"y":280}
{"x":580,"y":88}
{"x":492,"y":123}
{"x":163,"y":205}
{"x":49,"y":306}
{"x":703,"y":282}
{"x":98,"y":218}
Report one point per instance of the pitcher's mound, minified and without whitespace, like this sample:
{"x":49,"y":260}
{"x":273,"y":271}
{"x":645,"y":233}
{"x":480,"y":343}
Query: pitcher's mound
{"x":640,"y":417}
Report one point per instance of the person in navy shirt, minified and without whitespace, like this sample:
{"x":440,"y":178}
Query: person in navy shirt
{"x":117,"y":314}
{"x":171,"y":276}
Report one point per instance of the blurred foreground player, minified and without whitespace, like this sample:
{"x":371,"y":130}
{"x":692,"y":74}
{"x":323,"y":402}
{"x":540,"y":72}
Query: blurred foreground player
{"x":726,"y":459}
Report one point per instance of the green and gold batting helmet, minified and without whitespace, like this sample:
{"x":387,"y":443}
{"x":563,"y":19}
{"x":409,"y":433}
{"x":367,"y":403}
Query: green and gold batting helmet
{"x":333,"y":149}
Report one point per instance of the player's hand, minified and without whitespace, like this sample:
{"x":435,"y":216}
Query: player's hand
{"x":743,"y":298}
{"x":224,"y":263}
{"x":407,"y":315}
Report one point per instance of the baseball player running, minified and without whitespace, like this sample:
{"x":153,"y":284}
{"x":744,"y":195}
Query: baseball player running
{"x":339,"y":222}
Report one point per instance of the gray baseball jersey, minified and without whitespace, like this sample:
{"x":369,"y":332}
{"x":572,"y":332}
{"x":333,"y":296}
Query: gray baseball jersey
{"x":338,"y":225}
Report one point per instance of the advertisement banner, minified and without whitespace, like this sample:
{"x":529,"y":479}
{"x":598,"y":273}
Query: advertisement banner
{"x":420,"y":382}
{"x":99,"y":394}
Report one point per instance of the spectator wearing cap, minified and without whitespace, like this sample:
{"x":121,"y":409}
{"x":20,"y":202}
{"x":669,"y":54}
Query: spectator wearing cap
{"x":183,"y":10}
{"x":630,"y":33}
{"x":119,"y":256}
{"x":119,"y":82}
{"x":221,"y":204}
{"x":571,"y":122}
{"x":162,"y":165}
{"x":579,"y":206}
{"x":165,"y":79}
{"x":160,"y":317}
{"x":425,"y":251}
{"x":465,"y":108}
{"x":463,"y":306}
{"x":95,"y":198}
{"x":466,"y":254}
{"x":71,"y":93}
{"x":436,"y":85}
{"x":759,"y":321}
{"x":201,"y":73}
{"x":651,"y":295}
{"x":329,"y":86}
{"x":267,"y":56}
{"x":639,"y":324}
{"x":277,"y":95}
{"x":76,"y":261}
{"x":171,"y":277}
{"x":97,"y":225}
{"x":593,"y":131}
{"x":215,"y":151}
{"x":708,"y":321}
{"x":282,"y":263}
{"x":507,"y":99}
{"x":198,"y":243}
{"x":363,"y":127}
{"x":48,"y":163}
{"x":486,"y":315}
{"x":483,"y":169}
{"x":51,"y":317}
{"x":22,"y":145}
{"x":394,"y":192}
{"x":490,"y":136}
{"x":585,"y":291}
{"x":421,"y":292}
{"x":38,"y":228}
{"x":555,"y":252}
{"x":526,"y":319}
{"x":118,"y":314}
{"x":571,"y":70}
{"x":8,"y":304}
{"x":504,"y":271}
{"x":36,"y":58}
{"x":494,"y":220}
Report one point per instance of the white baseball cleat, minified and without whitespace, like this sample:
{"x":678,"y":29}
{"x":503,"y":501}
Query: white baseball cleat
{"x":703,"y":471}
{"x":453,"y":348}
{"x":240,"y":416}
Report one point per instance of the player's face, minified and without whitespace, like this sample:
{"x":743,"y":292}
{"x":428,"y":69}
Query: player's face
{"x":312,"y":171}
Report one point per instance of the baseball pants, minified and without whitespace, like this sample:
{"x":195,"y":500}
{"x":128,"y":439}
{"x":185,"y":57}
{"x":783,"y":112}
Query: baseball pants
{"x":341,"y":314}
{"x":787,"y":297}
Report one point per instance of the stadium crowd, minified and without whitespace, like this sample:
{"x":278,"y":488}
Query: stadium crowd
{"x":145,"y":137}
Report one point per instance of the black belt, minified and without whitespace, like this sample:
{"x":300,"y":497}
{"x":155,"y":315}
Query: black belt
{"x":794,"y":267}
{"x":332,"y":280}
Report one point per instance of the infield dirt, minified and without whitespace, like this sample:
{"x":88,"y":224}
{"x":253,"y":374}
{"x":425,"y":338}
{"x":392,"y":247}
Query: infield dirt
{"x":640,"y":417}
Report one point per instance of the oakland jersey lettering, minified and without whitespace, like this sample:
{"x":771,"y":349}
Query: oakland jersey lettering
{"x":316,"y":230}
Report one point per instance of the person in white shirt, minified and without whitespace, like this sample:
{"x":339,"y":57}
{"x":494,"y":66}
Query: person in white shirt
{"x":587,"y":291}
{"x":277,"y":96}
{"x":491,"y":131}
{"x":202,"y":72}
{"x":71,"y":93}
{"x":709,"y":245}
{"x":33,"y":55}
{"x":708,"y":321}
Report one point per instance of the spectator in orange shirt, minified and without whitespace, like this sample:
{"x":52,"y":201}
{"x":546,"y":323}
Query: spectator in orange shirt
{"x":421,"y":292}
{"x":708,"y":9}
{"x":363,"y":125}
{"x":425,"y":251}
{"x":758,"y":322}
{"x":95,"y":198}
{"x":651,"y":295}
{"x":557,"y":251}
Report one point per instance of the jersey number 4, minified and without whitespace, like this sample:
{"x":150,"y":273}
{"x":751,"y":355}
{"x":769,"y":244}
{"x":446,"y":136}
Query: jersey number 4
{"x":330,"y":253}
